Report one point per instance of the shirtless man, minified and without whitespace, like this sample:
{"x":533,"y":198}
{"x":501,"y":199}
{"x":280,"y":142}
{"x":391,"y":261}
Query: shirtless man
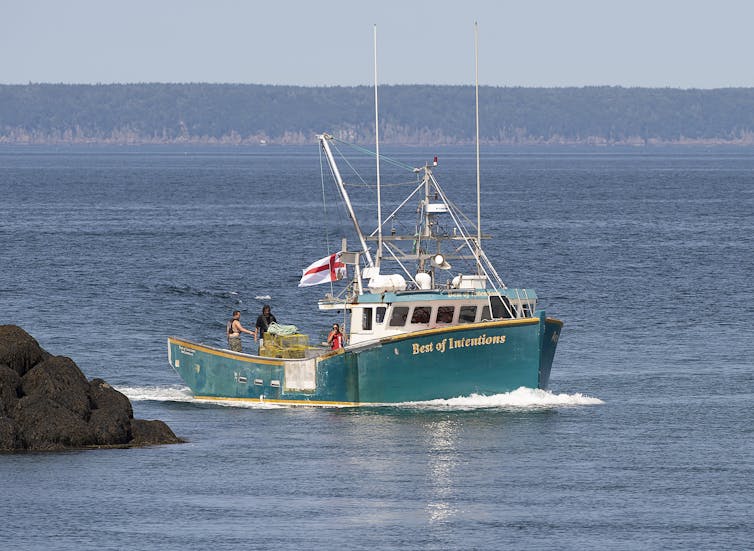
{"x":234,"y":330}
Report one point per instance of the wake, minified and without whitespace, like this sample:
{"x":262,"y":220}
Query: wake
{"x":173,"y":393}
{"x":520,"y":399}
{"x":180,"y":393}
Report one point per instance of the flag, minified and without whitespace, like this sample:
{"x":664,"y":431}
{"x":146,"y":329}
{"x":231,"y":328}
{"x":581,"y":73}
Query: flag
{"x":323,"y":270}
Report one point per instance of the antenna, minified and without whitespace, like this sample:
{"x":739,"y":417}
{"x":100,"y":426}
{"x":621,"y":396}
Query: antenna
{"x":478,"y":177}
{"x":377,"y":151}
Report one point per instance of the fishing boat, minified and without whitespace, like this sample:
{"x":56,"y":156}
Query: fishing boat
{"x":413,"y":335}
{"x":427,"y":316}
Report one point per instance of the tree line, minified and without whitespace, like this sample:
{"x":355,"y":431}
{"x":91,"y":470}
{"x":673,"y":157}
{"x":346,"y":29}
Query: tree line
{"x":409,"y":114}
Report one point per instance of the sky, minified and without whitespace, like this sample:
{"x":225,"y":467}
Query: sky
{"x":657,"y":43}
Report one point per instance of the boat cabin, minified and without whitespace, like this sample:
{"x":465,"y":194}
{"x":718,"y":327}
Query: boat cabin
{"x":375,"y":316}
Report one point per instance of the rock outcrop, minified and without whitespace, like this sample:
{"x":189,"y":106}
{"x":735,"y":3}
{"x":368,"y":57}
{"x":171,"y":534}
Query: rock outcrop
{"x":46,"y":403}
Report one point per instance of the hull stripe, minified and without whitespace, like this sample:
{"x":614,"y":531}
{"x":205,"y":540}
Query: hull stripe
{"x":284,"y":402}
{"x":226,"y":354}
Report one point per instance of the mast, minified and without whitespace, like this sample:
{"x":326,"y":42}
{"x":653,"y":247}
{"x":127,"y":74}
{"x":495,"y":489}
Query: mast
{"x":377,"y":151}
{"x":478,"y":176}
{"x":344,"y":194}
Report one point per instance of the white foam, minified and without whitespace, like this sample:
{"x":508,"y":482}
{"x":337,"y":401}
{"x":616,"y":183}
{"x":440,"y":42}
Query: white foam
{"x":178,"y":393}
{"x":262,"y":297}
{"x":522,"y":398}
{"x":174,"y":393}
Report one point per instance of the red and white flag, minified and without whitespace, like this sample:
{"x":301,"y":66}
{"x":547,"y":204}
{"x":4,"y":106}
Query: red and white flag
{"x":324,"y":270}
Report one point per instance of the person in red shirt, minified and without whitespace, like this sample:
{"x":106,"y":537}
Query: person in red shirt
{"x":335,"y":337}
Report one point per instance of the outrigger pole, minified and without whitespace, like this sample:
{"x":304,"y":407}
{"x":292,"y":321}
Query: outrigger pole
{"x":323,"y":140}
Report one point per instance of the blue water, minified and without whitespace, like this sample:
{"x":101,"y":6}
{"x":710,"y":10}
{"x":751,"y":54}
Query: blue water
{"x":644,"y":440}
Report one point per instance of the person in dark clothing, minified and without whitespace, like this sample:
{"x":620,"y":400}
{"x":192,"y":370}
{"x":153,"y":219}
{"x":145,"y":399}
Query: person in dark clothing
{"x":263,"y":324}
{"x":233,"y":330}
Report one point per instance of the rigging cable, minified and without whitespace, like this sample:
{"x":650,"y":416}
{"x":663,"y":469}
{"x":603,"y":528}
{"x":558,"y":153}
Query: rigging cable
{"x":373,"y":154}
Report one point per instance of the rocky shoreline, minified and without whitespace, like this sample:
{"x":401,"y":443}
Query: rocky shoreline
{"x":47,"y":404}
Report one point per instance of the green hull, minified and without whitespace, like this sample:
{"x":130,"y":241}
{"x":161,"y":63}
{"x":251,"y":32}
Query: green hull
{"x":480,"y":358}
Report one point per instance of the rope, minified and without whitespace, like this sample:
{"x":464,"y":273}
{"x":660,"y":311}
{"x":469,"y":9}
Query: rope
{"x":373,"y":154}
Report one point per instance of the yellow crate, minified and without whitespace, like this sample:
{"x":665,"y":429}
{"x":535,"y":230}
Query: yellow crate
{"x":296,"y":340}
{"x":296,"y":352}
{"x":285,"y":346}
{"x":273,"y":340}
{"x":270,"y":351}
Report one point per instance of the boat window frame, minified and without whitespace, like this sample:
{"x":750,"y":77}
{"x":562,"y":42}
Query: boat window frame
{"x":394,"y":312}
{"x":498,"y":305}
{"x":467,"y":306}
{"x":366,"y":318}
{"x":379,"y":315}
{"x":485,"y":315}
{"x":445,"y":307}
{"x":421,"y":308}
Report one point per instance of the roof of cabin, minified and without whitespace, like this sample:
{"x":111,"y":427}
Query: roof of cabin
{"x":449,"y":294}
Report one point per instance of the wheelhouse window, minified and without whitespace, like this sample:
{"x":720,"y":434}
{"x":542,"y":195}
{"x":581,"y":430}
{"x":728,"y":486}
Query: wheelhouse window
{"x":445,"y":314}
{"x":399,"y":316}
{"x":467,"y":314}
{"x":366,"y":319}
{"x":501,"y":307}
{"x":422,"y":314}
{"x":485,"y":313}
{"x":380,"y":317}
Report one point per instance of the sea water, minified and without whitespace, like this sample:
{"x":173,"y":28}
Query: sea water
{"x":644,"y":439}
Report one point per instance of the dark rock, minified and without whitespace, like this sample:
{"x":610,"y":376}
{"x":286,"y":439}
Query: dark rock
{"x":18,"y":349}
{"x":47,"y":404}
{"x":60,"y":380}
{"x":9,"y":434}
{"x":103,"y":396}
{"x":111,"y":415}
{"x":149,"y":433}
{"x":10,"y":384}
{"x":45,"y":424}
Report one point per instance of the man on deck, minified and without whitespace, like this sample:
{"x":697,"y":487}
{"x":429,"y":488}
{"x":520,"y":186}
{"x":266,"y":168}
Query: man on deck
{"x":234,"y":330}
{"x":263,"y":324}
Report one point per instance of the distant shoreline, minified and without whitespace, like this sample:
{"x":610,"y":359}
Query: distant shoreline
{"x":246,"y":144}
{"x":418,"y":115}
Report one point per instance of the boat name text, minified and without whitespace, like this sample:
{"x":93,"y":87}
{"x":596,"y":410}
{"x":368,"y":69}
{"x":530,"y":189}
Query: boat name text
{"x":451,"y":344}
{"x":186,"y":351}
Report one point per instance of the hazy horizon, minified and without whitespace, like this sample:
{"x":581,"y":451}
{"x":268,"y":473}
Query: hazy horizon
{"x":293,"y":85}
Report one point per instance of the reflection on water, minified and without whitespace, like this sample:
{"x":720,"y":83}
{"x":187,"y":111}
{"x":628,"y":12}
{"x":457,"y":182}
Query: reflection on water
{"x":442,"y":452}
